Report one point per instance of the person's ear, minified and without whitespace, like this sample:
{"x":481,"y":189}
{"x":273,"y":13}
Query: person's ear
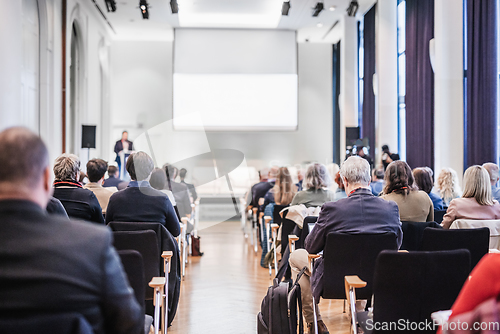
{"x":47,"y":181}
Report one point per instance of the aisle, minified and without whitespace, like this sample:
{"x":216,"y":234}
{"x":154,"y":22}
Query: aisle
{"x":223,"y":289}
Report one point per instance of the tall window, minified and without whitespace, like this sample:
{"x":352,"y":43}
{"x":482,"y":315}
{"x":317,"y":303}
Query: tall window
{"x":361,"y":52}
{"x":402,"y":78}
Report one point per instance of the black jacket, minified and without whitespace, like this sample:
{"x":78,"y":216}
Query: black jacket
{"x":141,"y":203}
{"x":49,"y":264}
{"x":79,"y":203}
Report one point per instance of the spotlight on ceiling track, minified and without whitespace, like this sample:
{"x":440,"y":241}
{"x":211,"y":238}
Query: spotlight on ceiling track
{"x":285,"y":8}
{"x":319,"y":7}
{"x":174,"y":7}
{"x":353,"y":8}
{"x":110,"y":5}
{"x":144,"y":7}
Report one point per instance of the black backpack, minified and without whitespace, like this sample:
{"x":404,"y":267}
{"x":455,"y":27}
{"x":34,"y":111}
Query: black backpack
{"x":278,"y":313}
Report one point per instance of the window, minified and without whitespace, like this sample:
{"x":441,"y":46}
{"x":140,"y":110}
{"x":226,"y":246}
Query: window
{"x":402,"y":78}
{"x":361,"y":53}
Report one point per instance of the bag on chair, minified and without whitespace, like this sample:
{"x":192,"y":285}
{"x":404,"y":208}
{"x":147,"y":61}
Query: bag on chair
{"x":195,"y":246}
{"x":279,"y":311}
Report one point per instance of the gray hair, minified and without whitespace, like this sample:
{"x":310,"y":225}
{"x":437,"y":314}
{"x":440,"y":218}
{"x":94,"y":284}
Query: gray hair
{"x":66,"y":167}
{"x":492,"y":170}
{"x":355,"y":170}
{"x":317,"y":177}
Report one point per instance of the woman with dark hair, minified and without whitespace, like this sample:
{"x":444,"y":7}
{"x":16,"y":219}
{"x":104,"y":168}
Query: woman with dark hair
{"x":423,"y":180}
{"x":414,"y":205}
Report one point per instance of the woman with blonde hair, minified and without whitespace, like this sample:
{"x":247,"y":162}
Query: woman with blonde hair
{"x":447,"y":185}
{"x":476,"y":202}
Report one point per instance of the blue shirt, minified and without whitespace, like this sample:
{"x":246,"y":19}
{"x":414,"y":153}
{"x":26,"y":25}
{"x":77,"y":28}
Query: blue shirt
{"x":495,"y":192}
{"x":377,"y":187}
{"x":437,"y":201}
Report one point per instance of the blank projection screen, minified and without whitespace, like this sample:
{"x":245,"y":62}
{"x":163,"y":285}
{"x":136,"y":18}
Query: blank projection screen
{"x":235,"y":79}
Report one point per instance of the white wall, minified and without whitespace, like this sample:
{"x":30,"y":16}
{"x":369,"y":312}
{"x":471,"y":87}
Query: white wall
{"x":141,"y":98}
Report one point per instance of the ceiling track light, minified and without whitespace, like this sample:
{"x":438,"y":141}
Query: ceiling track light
{"x":318,"y":8}
{"x":174,"y":6}
{"x":285,"y":8}
{"x":110,"y":5}
{"x":144,"y":7}
{"x":353,"y":8}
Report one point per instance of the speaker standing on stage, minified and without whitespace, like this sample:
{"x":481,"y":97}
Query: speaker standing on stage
{"x":123,"y":148}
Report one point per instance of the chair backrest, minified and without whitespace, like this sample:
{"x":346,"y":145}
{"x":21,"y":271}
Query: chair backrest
{"x":276,"y":213}
{"x":438,"y":215}
{"x":145,"y":243}
{"x":134,"y":268}
{"x":352,"y":254}
{"x":410,"y":286}
{"x":413,"y":233}
{"x":475,"y":240}
{"x":493,"y":225}
{"x":287,"y":227}
{"x":65,"y":323}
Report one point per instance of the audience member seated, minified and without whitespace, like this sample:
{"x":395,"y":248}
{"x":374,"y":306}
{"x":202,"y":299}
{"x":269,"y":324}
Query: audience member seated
{"x":483,"y":284}
{"x":96,"y":169}
{"x":52,"y":265}
{"x":300,"y":177}
{"x":79,"y":203}
{"x":414,"y":205}
{"x":113,"y":179}
{"x":423,"y":181}
{"x":476,"y":202}
{"x":158,"y":181}
{"x":260,"y":189}
{"x":180,"y":191}
{"x":316,"y":182}
{"x":340,"y":192}
{"x":139,"y":202}
{"x":360,"y":212}
{"x":493,"y":171}
{"x":55,"y":207}
{"x":191,"y":187}
{"x":447,"y":185}
{"x":263,"y":174}
{"x":83,"y":178}
{"x":377,"y":184}
{"x":388,"y":157}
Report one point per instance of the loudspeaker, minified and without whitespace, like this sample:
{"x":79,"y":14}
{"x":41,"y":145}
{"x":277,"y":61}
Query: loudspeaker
{"x":88,"y":136}
{"x":351,"y":135}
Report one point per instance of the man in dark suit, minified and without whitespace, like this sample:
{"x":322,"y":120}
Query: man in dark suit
{"x":260,"y":189}
{"x":191,"y":188}
{"x":50,"y":265}
{"x":123,"y":147}
{"x":114,"y":180}
{"x":139,"y":202}
{"x":360,"y":212}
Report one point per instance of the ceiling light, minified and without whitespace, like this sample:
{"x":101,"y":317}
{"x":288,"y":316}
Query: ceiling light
{"x":353,"y":8}
{"x":202,"y":14}
{"x":174,"y":7}
{"x":318,"y":8}
{"x":110,"y":5}
{"x":285,"y":8}
{"x":332,"y":8}
{"x":319,"y":25}
{"x":144,"y":7}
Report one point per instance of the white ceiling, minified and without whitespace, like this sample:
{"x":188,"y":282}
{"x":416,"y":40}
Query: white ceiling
{"x":128,"y":23}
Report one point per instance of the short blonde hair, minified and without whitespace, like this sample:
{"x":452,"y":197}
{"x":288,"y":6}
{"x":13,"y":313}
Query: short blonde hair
{"x":67,"y":167}
{"x":477,"y":185}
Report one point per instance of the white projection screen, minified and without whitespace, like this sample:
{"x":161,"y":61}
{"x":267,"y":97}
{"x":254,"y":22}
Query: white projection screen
{"x":237,"y":80}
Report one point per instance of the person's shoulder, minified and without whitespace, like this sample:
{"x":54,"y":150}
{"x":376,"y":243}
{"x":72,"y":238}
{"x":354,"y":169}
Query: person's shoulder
{"x":81,"y":230}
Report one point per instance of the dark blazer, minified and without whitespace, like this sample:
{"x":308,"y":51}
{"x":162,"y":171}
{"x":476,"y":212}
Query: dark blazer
{"x":259,"y":191}
{"x":49,"y":264}
{"x":79,"y":203}
{"x":361,"y":212}
{"x":115,"y":182}
{"x":55,"y":207}
{"x":191,"y":189}
{"x":141,"y":203}
{"x":119,"y":147}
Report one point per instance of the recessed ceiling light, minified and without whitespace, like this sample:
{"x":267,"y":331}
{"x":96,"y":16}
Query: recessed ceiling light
{"x":332,"y":8}
{"x":319,"y":25}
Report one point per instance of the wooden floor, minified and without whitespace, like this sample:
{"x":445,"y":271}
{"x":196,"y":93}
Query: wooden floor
{"x":223,"y":290}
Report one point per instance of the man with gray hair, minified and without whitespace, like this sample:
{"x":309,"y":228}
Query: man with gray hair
{"x":360,"y":212}
{"x":51,"y":265}
{"x":494,"y":176}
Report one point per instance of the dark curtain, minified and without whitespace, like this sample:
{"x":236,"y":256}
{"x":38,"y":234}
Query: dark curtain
{"x":338,"y":151}
{"x":482,"y":80}
{"x":419,"y":84}
{"x":368,"y":115}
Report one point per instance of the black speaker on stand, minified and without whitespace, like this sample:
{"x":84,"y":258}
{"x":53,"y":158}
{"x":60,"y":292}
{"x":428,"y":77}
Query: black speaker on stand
{"x":88,"y":138}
